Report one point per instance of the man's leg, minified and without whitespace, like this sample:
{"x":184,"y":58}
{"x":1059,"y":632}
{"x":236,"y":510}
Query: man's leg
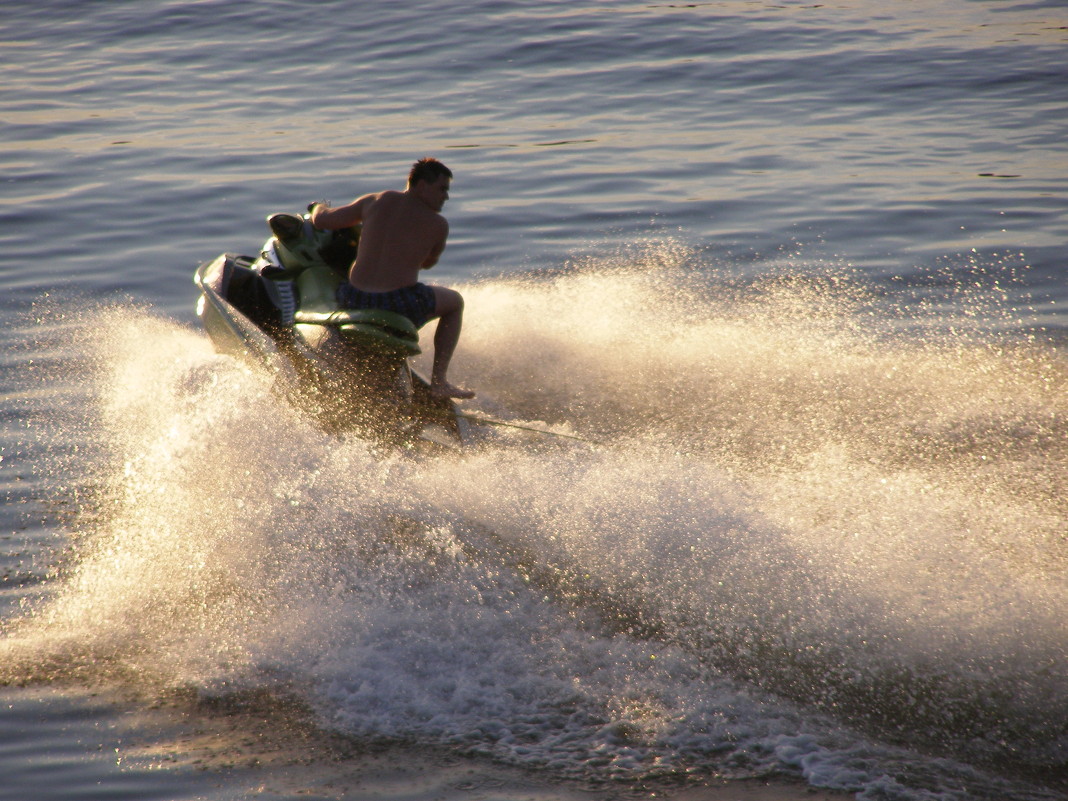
{"x":449,"y":308}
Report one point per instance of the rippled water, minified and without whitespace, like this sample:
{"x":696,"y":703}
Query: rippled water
{"x":791,"y":273}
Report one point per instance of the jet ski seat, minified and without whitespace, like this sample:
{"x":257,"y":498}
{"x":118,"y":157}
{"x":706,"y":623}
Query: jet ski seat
{"x":376,"y":328}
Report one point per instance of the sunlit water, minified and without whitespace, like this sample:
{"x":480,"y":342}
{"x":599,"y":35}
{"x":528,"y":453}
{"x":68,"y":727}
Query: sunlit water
{"x":781,"y":285}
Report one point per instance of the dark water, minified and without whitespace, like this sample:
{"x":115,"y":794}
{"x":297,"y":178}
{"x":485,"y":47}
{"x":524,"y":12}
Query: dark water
{"x":792,"y":273}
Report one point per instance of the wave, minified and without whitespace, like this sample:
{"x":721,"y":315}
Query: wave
{"x":774,"y":521}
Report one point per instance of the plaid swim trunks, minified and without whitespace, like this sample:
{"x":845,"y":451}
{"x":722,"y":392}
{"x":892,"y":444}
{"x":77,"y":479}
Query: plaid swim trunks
{"x":416,"y":302}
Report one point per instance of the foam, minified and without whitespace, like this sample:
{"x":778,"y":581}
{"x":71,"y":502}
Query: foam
{"x":775,"y":505}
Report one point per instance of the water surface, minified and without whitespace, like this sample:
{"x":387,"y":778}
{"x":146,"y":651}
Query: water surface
{"x":792,"y":274}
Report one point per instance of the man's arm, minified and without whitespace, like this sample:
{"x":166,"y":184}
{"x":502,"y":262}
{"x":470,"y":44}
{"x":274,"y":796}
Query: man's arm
{"x":326,"y":218}
{"x":437,"y":249}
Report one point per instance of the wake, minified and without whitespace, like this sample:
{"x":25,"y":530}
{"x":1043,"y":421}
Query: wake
{"x":752,"y":484}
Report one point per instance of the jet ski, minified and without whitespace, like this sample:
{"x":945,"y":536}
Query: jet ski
{"x":349,"y":369}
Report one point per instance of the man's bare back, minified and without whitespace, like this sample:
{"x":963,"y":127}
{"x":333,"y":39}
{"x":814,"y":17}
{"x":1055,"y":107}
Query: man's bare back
{"x":403,"y":233}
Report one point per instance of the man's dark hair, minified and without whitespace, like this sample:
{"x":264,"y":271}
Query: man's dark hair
{"x":429,"y":170}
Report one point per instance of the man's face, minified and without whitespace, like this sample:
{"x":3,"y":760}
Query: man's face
{"x":434,"y":193}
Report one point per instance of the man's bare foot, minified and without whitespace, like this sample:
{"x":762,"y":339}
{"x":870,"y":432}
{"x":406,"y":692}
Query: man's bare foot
{"x":447,"y":390}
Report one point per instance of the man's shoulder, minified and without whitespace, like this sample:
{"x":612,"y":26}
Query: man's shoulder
{"x":379,"y":202}
{"x":404,"y":203}
{"x":388,"y":196}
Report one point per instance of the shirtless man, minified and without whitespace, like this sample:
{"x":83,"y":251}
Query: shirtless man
{"x":403,"y":233}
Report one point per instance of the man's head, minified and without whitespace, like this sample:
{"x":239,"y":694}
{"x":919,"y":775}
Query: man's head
{"x":429,"y":182}
{"x":429,"y":170}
